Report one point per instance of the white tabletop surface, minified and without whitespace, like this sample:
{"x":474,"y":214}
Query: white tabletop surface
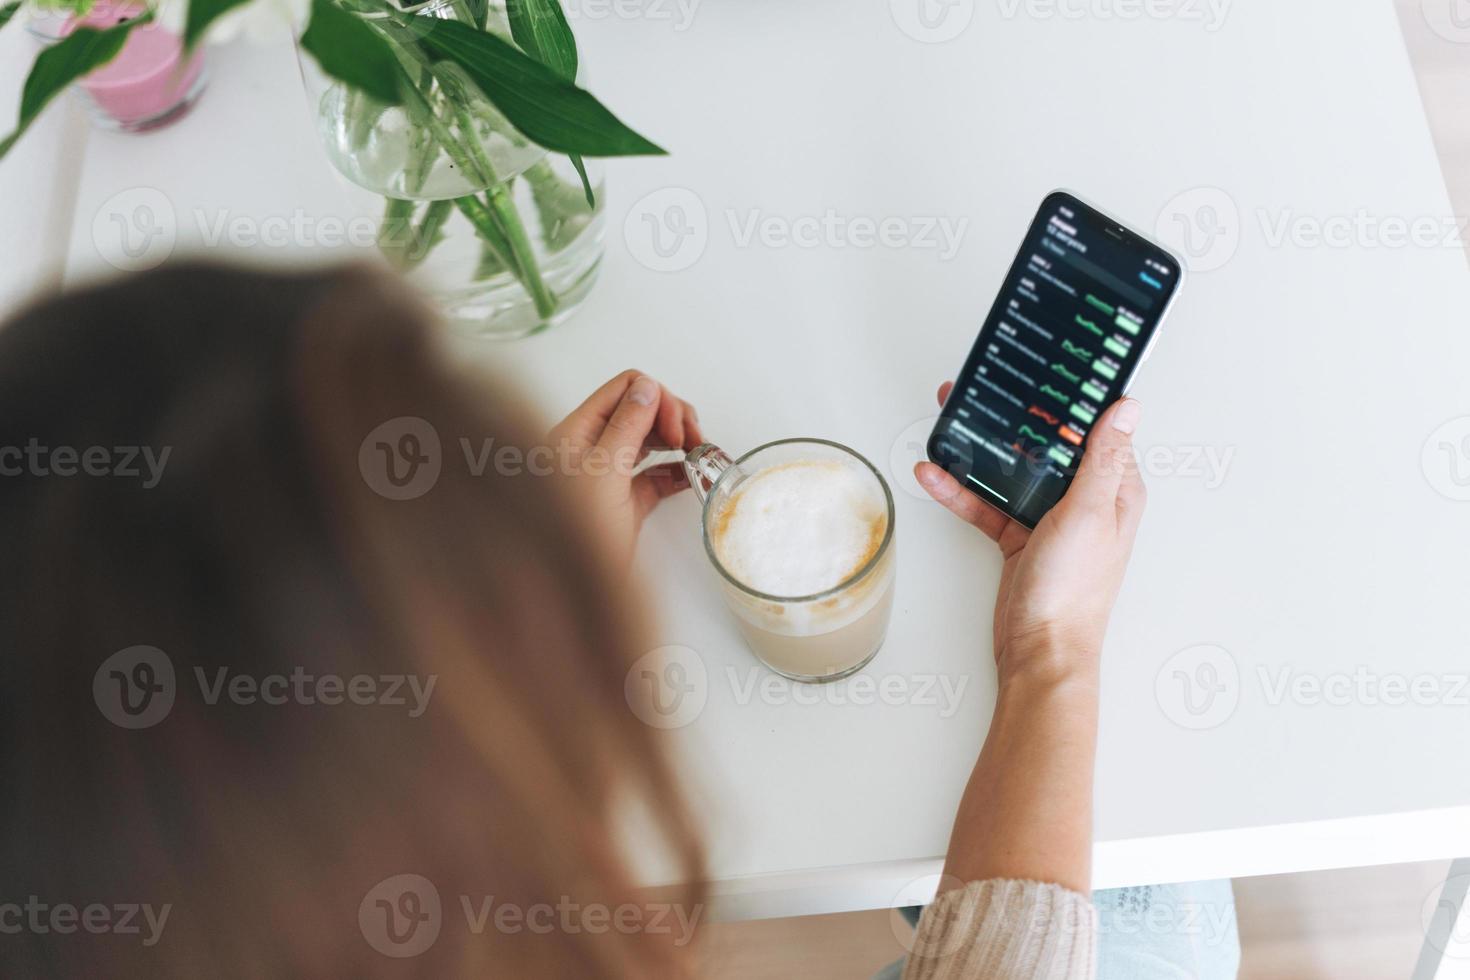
{"x":1303,"y":520}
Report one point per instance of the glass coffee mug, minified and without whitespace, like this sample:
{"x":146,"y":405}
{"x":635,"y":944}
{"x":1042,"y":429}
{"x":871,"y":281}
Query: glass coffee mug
{"x":808,"y":503}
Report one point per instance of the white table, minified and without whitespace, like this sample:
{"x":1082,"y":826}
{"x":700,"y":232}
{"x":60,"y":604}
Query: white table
{"x":1315,"y":374}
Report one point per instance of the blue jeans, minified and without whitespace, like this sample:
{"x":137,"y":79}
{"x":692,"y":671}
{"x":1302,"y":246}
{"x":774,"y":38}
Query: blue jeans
{"x":1156,"y":932}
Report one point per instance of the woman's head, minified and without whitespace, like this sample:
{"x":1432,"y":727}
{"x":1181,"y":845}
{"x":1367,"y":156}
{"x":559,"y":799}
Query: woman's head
{"x":392,"y":681}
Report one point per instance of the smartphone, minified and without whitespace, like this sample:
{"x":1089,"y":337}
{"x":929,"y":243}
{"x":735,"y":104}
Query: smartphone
{"x":1078,"y":313}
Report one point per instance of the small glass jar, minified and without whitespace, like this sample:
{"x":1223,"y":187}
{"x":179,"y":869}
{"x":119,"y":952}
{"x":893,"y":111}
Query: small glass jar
{"x":150,"y":83}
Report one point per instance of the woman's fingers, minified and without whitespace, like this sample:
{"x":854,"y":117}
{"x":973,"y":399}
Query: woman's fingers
{"x":653,"y":485}
{"x":693,"y":435}
{"x":585,"y":423}
{"x":671,"y":420}
{"x":959,"y":501}
{"x":678,"y":424}
{"x":1132,"y":498}
{"x":633,"y":419}
{"x":1107,"y":460}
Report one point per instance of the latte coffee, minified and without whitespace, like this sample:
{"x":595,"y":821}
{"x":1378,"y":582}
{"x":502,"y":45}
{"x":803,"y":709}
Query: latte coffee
{"x":803,"y":533}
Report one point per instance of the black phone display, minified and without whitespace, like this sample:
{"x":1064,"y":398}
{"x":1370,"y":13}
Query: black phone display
{"x":1076,"y":316}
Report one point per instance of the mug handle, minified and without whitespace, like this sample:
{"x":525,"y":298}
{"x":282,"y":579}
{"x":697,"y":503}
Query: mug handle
{"x":703,"y":466}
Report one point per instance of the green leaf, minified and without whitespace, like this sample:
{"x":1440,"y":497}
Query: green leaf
{"x":201,"y":14}
{"x":540,"y":27}
{"x":479,"y":12}
{"x":8,"y":11}
{"x":64,"y":62}
{"x":537,"y":101}
{"x":349,"y":50}
{"x":586,"y":183}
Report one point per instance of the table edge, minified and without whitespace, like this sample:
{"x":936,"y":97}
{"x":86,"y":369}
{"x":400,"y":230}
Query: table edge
{"x":1349,"y":842}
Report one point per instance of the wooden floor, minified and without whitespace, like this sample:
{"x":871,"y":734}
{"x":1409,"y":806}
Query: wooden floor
{"x":1358,"y":924}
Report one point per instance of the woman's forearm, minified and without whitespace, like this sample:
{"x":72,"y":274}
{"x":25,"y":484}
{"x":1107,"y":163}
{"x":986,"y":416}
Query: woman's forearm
{"x":1027,"y":809}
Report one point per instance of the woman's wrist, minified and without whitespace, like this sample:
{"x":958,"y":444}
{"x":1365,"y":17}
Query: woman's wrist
{"x":1049,"y":658}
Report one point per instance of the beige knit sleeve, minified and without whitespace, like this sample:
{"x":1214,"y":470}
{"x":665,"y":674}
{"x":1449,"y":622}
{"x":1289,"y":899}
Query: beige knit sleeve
{"x":1006,"y":930}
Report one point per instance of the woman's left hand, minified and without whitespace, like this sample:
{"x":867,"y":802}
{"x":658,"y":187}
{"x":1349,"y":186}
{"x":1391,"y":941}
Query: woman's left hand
{"x":608,"y":435}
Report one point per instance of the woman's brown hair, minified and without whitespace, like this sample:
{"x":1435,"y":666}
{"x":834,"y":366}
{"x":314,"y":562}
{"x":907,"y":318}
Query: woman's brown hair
{"x":198,"y":486}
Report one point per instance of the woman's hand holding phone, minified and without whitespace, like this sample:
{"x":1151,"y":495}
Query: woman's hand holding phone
{"x":1027,"y":811}
{"x":1059,"y":581}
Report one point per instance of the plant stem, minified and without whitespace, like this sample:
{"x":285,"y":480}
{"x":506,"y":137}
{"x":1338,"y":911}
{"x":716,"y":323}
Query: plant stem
{"x":562,"y":206}
{"x":470,"y":156}
{"x":429,"y":231}
{"x":487,"y":226}
{"x":395,"y":233}
{"x":490,"y":265}
{"x":504,"y":206}
{"x":423,"y":153}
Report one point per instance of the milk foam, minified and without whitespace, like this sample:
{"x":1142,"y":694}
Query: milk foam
{"x":800,"y":528}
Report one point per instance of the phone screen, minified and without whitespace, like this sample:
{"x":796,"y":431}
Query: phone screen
{"x":1074,"y":319}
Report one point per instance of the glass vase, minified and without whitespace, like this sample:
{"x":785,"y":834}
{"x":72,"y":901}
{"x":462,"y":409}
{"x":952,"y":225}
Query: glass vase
{"x":496,"y":229}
